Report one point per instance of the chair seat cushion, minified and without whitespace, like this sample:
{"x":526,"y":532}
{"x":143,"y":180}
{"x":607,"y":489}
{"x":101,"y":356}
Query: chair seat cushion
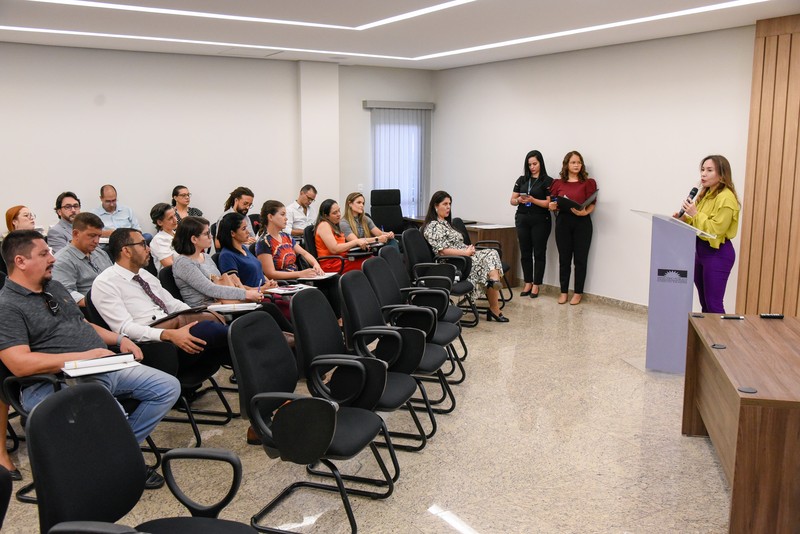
{"x":432,"y":359}
{"x":462,"y":287}
{"x":355,"y":428}
{"x":193,"y":525}
{"x":194,"y":376}
{"x":445,"y":333}
{"x":453,"y":314}
{"x":399,"y":388}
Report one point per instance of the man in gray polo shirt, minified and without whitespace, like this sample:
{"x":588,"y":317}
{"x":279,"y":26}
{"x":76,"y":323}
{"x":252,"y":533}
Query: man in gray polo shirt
{"x":68,"y":206}
{"x":42,"y":328}
{"x":79,"y":263}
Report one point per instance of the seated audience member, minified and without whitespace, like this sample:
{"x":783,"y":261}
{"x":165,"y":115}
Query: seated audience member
{"x":278,"y":253}
{"x":235,"y":258}
{"x":356,"y":224}
{"x":196,"y":275}
{"x":129,"y":299}
{"x":79,"y":263}
{"x":181,"y":197}
{"x":42,"y":328}
{"x":163,"y":216}
{"x":67,"y":207}
{"x":115,"y":215}
{"x":239,"y":201}
{"x":20,"y":218}
{"x":330,"y":240}
{"x":198,"y":278}
{"x":299,"y":213}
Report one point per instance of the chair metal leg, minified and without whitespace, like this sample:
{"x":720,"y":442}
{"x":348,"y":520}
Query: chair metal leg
{"x":387,"y":479}
{"x":467,"y":304}
{"x":23,"y":494}
{"x":215,"y":417}
{"x":447,"y":393}
{"x":421,"y":437}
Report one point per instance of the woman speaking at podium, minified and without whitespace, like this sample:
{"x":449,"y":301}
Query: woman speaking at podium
{"x":715,"y":211}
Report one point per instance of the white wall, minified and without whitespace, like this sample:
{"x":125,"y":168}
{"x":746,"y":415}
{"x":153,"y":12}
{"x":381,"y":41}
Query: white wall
{"x":642,"y":115}
{"x":73,"y":119}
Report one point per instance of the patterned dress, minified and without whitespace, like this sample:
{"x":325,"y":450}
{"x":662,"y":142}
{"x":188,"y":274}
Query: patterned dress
{"x":440,"y":235}
{"x":193,"y":212}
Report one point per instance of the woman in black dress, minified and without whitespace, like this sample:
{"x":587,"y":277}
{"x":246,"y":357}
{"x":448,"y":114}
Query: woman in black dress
{"x":531,"y":196}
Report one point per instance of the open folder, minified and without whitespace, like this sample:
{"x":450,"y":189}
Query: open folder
{"x":565,"y":203}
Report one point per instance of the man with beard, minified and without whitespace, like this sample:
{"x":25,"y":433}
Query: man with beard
{"x":240,"y":200}
{"x":67,"y":207}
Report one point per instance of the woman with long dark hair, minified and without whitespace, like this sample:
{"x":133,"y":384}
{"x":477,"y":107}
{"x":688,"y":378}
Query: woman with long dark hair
{"x":447,"y":241}
{"x":163,"y":217}
{"x":531,"y":196}
{"x":235,"y":258}
{"x":330,"y":240}
{"x":573,"y":226}
{"x":715,"y":210}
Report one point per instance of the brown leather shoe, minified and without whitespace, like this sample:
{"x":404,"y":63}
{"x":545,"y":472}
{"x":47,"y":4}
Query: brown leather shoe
{"x":252,"y":437}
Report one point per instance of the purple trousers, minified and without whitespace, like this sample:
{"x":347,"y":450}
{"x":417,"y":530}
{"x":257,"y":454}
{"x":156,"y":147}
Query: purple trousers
{"x":712,"y":267}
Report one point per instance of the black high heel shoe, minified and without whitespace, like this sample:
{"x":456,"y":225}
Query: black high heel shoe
{"x":499,"y":318}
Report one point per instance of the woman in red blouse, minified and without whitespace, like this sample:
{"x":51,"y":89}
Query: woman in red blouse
{"x":573,"y":226}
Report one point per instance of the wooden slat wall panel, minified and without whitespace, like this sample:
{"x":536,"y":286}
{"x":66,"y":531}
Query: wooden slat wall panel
{"x":769,"y":260}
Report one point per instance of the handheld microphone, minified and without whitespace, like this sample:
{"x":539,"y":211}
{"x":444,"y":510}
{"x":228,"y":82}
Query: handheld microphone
{"x":692,"y":194}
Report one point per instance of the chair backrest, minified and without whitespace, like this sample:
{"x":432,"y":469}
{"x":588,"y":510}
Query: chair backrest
{"x":308,"y":240}
{"x":383,"y":282}
{"x":360,"y":306}
{"x":315,"y":326}
{"x":397,"y":265}
{"x":84,"y":457}
{"x":459,"y":225}
{"x":5,"y":492}
{"x":416,"y":248}
{"x":262,"y":359}
{"x":92,"y":315}
{"x":385,"y":209}
{"x":167,"y":280}
{"x":255,"y":220}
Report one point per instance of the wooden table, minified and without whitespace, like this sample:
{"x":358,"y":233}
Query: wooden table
{"x":506,"y":235}
{"x":756,"y":435}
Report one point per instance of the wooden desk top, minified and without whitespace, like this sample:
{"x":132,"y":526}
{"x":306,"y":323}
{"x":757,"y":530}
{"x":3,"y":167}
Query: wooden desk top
{"x":761,"y":353}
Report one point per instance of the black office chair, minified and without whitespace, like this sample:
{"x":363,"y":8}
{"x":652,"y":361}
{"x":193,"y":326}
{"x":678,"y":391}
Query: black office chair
{"x":163,"y":356}
{"x":319,"y":335}
{"x":386,"y":212}
{"x":255,"y":220}
{"x":421,"y":263}
{"x":390,"y":298}
{"x":85,"y":456}
{"x":397,"y":266}
{"x":361,"y":310}
{"x":167,"y":280}
{"x":305,"y":430}
{"x":5,"y":492}
{"x":310,"y":245}
{"x":493,"y":244}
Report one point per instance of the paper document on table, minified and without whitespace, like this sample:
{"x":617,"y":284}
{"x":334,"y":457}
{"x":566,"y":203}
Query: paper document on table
{"x":234,"y":307}
{"x":318,"y":277}
{"x":288,"y":290}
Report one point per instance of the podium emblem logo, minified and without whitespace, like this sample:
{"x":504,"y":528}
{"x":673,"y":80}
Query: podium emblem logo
{"x":673,"y":276}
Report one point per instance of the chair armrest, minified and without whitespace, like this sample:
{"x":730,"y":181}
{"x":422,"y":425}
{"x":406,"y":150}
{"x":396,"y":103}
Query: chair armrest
{"x":218,"y":455}
{"x":492,"y":244}
{"x":435,"y":282}
{"x":422,"y":270}
{"x":435,"y":298}
{"x":13,"y":385}
{"x":90,"y":527}
{"x":462,"y":263}
{"x":388,"y":352}
{"x":257,"y":420}
{"x":352,"y":375}
{"x":420,"y":317}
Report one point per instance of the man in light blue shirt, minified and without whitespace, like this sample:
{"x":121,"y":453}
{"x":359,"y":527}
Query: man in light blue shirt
{"x":115,"y":215}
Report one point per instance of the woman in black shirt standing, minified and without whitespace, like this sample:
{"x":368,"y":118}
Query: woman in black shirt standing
{"x":531,"y":196}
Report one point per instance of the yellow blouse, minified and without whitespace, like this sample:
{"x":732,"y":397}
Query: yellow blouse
{"x":718,"y":215}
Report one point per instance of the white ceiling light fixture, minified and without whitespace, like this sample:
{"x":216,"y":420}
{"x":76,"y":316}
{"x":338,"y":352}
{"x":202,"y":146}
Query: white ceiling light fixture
{"x":599,"y":27}
{"x":222,"y":16}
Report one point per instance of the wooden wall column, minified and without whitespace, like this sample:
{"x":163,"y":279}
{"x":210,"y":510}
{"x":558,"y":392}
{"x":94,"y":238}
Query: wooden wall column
{"x":769,"y":259}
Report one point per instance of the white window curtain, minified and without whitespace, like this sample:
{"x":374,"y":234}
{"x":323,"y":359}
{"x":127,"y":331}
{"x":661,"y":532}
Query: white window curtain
{"x":401,"y":151}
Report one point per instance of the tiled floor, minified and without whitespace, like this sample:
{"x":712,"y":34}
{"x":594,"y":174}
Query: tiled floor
{"x":556,"y":430}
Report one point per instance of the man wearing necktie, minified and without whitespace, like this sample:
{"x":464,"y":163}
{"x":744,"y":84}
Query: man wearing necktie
{"x":129,"y":299}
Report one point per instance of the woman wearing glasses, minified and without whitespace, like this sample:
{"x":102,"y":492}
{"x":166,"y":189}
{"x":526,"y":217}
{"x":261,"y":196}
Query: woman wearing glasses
{"x":20,"y":218}
{"x":181,"y":197}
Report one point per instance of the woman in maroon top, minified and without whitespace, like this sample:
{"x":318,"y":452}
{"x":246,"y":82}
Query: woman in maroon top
{"x":573,"y":226}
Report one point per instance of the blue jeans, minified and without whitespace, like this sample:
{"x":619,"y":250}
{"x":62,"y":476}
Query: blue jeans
{"x":155,"y":390}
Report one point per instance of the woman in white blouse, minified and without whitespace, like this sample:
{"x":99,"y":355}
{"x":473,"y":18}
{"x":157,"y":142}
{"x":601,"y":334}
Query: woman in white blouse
{"x":163,"y":216}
